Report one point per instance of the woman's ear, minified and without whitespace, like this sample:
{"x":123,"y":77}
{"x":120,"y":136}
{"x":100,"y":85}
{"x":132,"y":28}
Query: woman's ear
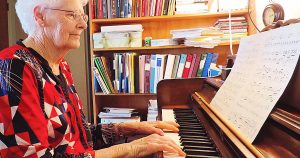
{"x":38,"y":15}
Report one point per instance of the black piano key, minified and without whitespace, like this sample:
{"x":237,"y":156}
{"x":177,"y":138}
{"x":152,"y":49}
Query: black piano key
{"x":201,"y":156}
{"x":199,"y":147}
{"x":197,"y":143}
{"x":194,"y":137}
{"x":183,"y":110}
{"x":192,"y":133}
{"x":201,"y":152}
{"x":188,"y":123}
{"x":191,"y":126}
{"x":187,"y":119}
{"x":192,"y":130}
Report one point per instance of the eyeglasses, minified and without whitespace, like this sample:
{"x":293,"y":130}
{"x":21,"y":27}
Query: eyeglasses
{"x":76,"y":16}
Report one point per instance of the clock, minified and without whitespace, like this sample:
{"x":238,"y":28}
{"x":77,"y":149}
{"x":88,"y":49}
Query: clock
{"x":272,"y":13}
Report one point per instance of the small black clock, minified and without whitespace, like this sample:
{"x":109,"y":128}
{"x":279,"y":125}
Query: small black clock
{"x":272,"y":13}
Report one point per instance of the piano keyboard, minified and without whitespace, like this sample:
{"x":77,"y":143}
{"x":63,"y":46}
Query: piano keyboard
{"x":192,"y":136}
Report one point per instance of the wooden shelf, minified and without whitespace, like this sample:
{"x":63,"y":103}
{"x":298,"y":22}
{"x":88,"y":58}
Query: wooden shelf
{"x":155,"y":48}
{"x":172,"y":17}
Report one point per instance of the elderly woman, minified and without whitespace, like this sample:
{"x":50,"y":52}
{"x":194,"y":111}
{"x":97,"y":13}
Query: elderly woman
{"x":40,"y":112}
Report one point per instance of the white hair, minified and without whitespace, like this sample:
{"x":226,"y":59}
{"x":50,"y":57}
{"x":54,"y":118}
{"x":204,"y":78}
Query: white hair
{"x":24,"y":10}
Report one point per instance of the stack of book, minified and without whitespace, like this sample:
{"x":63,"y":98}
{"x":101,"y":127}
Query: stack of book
{"x":239,"y":27}
{"x":198,"y":37}
{"x":118,"y":36}
{"x":191,"y":6}
{"x":152,"y":110}
{"x":118,"y":115}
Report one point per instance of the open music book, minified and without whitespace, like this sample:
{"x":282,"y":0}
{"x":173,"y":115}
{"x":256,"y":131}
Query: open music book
{"x":263,"y":68}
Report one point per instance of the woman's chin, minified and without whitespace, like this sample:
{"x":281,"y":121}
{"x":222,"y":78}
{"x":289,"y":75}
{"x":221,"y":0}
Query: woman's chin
{"x":74,"y":44}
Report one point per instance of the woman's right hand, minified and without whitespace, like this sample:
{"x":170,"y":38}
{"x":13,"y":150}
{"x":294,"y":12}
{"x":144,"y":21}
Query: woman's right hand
{"x":153,"y":144}
{"x":141,"y":147}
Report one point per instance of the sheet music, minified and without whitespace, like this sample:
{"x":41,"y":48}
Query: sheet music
{"x":263,"y":67}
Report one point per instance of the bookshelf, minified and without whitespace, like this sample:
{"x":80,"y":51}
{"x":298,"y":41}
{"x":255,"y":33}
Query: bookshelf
{"x":157,"y":27}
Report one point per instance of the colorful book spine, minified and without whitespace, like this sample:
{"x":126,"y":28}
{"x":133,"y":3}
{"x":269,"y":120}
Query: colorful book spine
{"x":169,"y":66}
{"x":175,"y":66}
{"x":141,"y":73}
{"x":201,"y":65}
{"x":207,"y":64}
{"x":181,"y":65}
{"x":147,"y":73}
{"x":187,"y":66}
{"x":152,"y":73}
{"x":196,"y":65}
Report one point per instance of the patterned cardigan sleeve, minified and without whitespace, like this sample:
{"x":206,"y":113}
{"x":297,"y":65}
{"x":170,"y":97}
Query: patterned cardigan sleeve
{"x":22,"y":121}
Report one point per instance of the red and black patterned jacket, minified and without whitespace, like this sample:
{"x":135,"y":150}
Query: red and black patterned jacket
{"x":40,"y":113}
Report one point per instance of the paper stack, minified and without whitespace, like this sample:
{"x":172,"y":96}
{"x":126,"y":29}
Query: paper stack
{"x":118,"y":115}
{"x":152,"y":110}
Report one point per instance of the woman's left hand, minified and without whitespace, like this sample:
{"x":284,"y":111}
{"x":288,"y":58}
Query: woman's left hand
{"x":131,"y":128}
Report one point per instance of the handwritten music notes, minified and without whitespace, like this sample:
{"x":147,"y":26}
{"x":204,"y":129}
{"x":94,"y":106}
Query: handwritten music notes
{"x":264,"y":66}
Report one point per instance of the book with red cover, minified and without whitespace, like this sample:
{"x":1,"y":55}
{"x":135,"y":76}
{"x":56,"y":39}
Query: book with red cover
{"x":100,"y":9}
{"x":92,"y":5}
{"x":187,"y":66}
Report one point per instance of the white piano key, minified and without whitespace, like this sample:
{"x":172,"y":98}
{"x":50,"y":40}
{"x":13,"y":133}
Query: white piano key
{"x":175,"y":137}
{"x":168,"y":115}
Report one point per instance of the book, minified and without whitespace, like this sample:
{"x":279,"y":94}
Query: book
{"x":104,"y":9}
{"x":169,"y":66}
{"x":100,"y":81}
{"x":101,"y":67}
{"x":117,"y":115}
{"x":213,"y":65}
{"x":122,"y":28}
{"x":152,"y":72}
{"x":141,"y":73}
{"x":207,"y":65}
{"x":147,"y":73}
{"x":181,"y":65}
{"x":192,"y":65}
{"x":196,"y":65}
{"x":110,"y":120}
{"x":201,"y":64}
{"x":175,"y":66}
{"x":102,"y":76}
{"x":187,"y":66}
{"x":136,"y":74}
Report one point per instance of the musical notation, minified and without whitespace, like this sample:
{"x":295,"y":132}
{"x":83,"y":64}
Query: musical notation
{"x":262,"y":70}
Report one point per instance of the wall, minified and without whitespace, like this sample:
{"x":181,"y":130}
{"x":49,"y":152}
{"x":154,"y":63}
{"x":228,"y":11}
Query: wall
{"x":291,"y":9}
{"x":76,"y":58}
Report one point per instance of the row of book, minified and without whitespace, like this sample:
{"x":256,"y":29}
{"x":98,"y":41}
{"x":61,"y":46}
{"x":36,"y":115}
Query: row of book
{"x":107,"y":9}
{"x":141,"y":73}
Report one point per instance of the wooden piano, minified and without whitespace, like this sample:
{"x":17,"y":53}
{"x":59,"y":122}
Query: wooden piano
{"x":279,"y":137}
{"x":209,"y":135}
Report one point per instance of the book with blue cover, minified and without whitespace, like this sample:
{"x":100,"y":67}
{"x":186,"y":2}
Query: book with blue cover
{"x":152,"y":72}
{"x":207,"y":65}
